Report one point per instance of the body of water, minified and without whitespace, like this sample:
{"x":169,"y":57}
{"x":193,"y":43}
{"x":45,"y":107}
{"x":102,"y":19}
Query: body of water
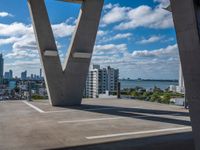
{"x":146,"y":84}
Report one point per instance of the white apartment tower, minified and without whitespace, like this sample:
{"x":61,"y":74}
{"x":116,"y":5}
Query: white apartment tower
{"x":113,"y":77}
{"x":181,"y":81}
{"x":181,"y":87}
{"x":101,"y":80}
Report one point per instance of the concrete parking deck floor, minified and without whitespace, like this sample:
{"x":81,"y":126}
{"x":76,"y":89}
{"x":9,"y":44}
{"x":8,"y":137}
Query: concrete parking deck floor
{"x":97,"y":124}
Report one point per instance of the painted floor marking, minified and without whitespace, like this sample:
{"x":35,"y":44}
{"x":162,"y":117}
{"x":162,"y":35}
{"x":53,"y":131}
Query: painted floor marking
{"x":136,"y":133}
{"x":89,"y":120}
{"x":60,"y":111}
{"x":97,"y":119}
{"x":34,"y":107}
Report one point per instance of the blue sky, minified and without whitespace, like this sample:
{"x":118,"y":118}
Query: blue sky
{"x":136,"y":36}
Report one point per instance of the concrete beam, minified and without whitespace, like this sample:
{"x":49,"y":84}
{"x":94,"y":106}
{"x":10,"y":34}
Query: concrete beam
{"x":186,"y":19}
{"x":65,"y":84}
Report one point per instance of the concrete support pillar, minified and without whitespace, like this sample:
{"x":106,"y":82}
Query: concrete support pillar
{"x":186,"y":19}
{"x":65,"y":84}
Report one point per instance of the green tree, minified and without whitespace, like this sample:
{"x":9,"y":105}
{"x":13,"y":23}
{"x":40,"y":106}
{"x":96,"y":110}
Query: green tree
{"x":156,"y":89}
{"x":134,"y":93}
{"x":155,"y":97}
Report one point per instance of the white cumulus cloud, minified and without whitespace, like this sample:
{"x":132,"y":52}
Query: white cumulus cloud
{"x":151,"y":39}
{"x":163,"y":3}
{"x":5,"y":14}
{"x":116,"y":14}
{"x":142,"y":16}
{"x":158,"y":64}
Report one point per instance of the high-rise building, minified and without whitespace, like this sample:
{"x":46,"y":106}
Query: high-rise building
{"x":40,"y":73}
{"x":8,"y":75}
{"x":1,"y":68}
{"x":181,"y":80}
{"x":91,"y":89}
{"x":24,"y":75}
{"x":181,"y":86}
{"x":11,"y":74}
{"x":113,"y":77}
{"x":32,"y":76}
{"x":101,"y":80}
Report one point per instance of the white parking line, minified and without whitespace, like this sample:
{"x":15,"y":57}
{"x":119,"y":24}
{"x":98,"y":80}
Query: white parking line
{"x":136,"y":133}
{"x":71,"y":110}
{"x":34,"y":107}
{"x":98,"y":119}
{"x":89,"y":120}
{"x":106,"y":108}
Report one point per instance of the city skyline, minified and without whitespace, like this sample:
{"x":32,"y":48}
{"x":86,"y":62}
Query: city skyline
{"x":23,"y":75}
{"x":10,"y":74}
{"x":140,"y":48}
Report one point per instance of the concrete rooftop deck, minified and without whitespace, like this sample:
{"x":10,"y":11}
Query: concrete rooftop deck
{"x":97,"y":124}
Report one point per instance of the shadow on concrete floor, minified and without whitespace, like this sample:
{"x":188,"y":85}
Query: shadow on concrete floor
{"x":179,"y":141}
{"x":133,"y":113}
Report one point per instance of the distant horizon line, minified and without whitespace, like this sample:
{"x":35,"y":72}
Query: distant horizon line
{"x":140,"y":79}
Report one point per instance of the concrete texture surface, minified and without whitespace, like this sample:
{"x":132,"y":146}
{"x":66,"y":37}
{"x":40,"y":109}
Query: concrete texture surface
{"x":187,"y":22}
{"x":97,"y":124}
{"x":65,"y":84}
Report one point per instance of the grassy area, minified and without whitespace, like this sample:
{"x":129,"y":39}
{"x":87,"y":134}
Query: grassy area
{"x":38,"y":97}
{"x":153,"y":95}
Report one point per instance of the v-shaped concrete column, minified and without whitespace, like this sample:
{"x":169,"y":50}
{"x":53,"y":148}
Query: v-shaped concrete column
{"x":65,"y":84}
{"x":186,"y":14}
